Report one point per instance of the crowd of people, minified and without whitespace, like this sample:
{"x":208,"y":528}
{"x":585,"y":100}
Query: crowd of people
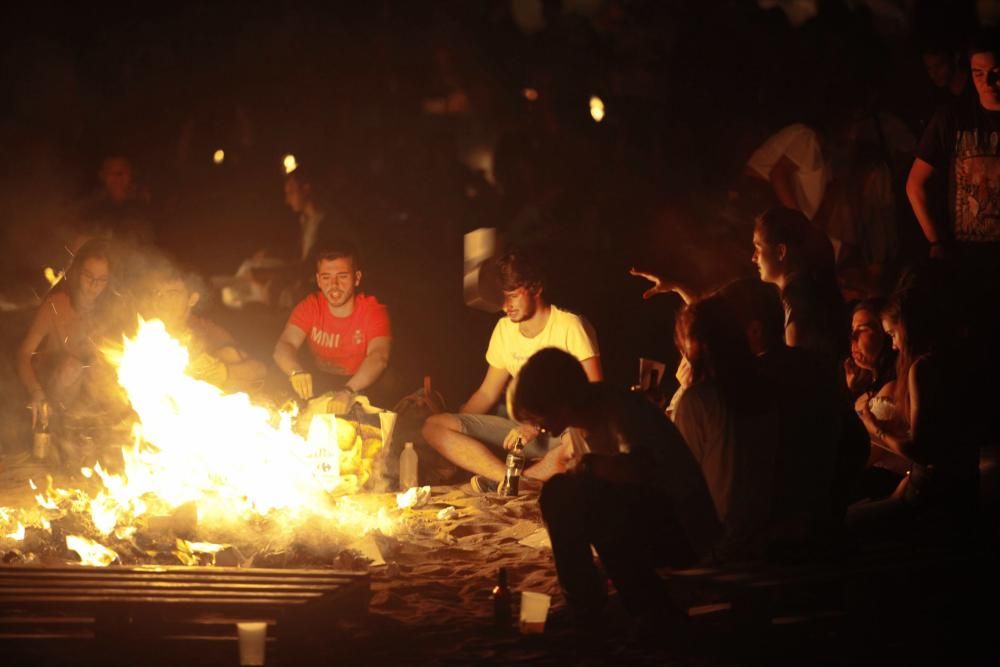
{"x":830,"y":395}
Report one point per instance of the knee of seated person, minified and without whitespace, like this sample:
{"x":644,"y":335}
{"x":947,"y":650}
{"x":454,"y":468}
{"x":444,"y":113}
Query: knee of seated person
{"x":558,"y":494}
{"x":434,"y":424}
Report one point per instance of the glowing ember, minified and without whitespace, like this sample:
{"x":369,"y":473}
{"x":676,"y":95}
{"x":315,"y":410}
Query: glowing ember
{"x":219,"y":156}
{"x":90,"y":552}
{"x":197,"y":553}
{"x":414,"y":496}
{"x":18,"y":533}
{"x":289,"y":163}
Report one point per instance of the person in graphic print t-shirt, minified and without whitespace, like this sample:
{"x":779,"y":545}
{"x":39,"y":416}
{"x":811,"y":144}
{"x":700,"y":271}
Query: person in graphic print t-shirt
{"x":960,"y":152}
{"x":347,"y":332}
{"x":962,"y":143}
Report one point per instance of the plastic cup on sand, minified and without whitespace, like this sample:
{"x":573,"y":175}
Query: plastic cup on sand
{"x":253,"y":638}
{"x":534,"y":610}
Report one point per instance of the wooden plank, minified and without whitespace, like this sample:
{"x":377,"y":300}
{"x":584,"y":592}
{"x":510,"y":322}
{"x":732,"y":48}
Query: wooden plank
{"x":178,"y":587}
{"x":86,"y":601}
{"x":120,"y":614}
{"x":8,"y":573}
{"x":191,"y":570}
{"x":37,"y":601}
{"x":155,"y":590}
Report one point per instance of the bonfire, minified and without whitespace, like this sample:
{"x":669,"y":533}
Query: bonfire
{"x":207,"y":476}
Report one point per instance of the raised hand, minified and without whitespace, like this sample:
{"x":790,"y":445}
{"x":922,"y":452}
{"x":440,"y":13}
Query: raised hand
{"x":661,"y":286}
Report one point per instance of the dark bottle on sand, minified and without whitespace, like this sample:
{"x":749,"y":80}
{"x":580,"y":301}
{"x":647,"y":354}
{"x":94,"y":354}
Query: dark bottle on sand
{"x":503,"y":616}
{"x":515,"y":465}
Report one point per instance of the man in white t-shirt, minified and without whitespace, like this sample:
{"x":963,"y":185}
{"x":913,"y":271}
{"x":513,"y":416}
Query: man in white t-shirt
{"x":475,"y":439}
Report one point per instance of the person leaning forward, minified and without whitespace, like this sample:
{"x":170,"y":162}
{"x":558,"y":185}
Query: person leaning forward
{"x":348,"y":333}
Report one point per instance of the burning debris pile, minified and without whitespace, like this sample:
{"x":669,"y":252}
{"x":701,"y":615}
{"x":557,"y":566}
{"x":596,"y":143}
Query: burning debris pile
{"x":210,"y":478}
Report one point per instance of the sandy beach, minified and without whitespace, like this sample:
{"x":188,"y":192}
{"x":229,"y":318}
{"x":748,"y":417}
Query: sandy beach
{"x":431,"y":581}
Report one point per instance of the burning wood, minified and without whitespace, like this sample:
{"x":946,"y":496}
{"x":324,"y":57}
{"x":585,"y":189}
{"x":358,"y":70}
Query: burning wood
{"x":205,"y":470}
{"x":91,"y":553}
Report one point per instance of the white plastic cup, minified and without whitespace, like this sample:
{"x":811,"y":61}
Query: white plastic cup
{"x":253,"y":640}
{"x":534,"y":611}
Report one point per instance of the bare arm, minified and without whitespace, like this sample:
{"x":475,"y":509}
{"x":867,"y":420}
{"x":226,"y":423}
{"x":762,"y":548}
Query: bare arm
{"x":286,"y":350}
{"x":555,"y":461}
{"x":791,"y":335}
{"x":916,"y":447}
{"x":242,"y":372}
{"x":286,"y":356}
{"x":782,"y":179}
{"x":592,"y":367}
{"x":902,"y":443}
{"x":489,"y":392}
{"x":916,"y":192}
{"x":661,"y":286}
{"x":375,"y":361}
{"x":39,"y":329}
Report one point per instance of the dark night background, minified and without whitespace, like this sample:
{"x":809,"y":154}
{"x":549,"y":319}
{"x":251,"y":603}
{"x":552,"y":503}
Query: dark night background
{"x":690,"y":89}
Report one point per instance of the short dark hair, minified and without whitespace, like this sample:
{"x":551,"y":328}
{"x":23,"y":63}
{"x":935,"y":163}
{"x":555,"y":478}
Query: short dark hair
{"x":520,"y":268}
{"x":781,"y":224}
{"x":551,"y":379}
{"x":984,"y":41}
{"x":753,"y":300}
{"x":337,"y":249}
{"x":809,"y":247}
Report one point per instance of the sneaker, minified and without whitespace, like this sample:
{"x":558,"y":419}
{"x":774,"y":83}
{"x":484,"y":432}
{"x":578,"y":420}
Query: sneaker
{"x":483,"y":485}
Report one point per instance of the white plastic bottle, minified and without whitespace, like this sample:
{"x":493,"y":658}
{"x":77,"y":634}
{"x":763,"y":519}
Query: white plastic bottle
{"x":407,"y":467}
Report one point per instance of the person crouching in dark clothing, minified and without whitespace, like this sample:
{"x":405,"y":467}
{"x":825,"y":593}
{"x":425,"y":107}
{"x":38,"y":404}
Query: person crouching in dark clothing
{"x":632,"y":489}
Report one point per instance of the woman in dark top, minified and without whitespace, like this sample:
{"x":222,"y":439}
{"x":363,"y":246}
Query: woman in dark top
{"x":792,"y":254}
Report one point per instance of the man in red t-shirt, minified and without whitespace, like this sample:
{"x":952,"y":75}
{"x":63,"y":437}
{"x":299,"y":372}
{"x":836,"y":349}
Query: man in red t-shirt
{"x":347,"y":332}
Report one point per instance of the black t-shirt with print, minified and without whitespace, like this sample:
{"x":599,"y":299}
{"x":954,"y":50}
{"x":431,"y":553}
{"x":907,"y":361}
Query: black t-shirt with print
{"x":964,"y":138}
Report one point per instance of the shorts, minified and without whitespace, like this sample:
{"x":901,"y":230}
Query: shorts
{"x":491,"y":431}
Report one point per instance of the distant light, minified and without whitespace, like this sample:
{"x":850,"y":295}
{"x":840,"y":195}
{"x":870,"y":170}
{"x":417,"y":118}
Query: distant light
{"x":290,"y":163}
{"x":219,"y":156}
{"x":596,"y":108}
{"x":530,"y":94}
